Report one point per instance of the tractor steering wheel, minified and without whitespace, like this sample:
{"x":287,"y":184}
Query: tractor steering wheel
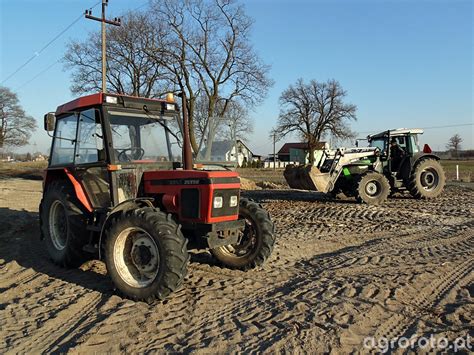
{"x":136,"y":153}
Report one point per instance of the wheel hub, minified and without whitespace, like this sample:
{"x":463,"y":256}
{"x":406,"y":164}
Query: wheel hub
{"x":429,"y":179}
{"x":371,"y":188}
{"x":136,"y":257}
{"x":144,"y":255}
{"x":246,"y":242}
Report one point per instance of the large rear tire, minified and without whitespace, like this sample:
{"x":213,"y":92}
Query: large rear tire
{"x":256,"y":241}
{"x":146,"y":254}
{"x":372,"y":188}
{"x":427,"y":179}
{"x":63,"y":223}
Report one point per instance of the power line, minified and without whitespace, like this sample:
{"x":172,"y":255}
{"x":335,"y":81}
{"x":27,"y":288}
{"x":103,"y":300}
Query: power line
{"x":37,"y":54}
{"x":56,"y":62}
{"x":38,"y":75}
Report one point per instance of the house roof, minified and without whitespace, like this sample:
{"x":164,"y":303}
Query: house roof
{"x":285,"y":150}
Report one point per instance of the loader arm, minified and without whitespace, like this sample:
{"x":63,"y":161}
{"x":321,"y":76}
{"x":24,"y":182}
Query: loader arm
{"x":323,"y":179}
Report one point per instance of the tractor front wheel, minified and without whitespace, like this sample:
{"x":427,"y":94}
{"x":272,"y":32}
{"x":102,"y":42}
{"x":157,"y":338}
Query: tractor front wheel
{"x":372,"y":188}
{"x":63,"y":222}
{"x":255,"y":243}
{"x":146,"y":254}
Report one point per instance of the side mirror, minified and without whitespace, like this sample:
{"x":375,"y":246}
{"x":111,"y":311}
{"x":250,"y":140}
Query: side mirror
{"x":49,"y":121}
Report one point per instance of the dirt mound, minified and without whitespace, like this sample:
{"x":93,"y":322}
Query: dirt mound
{"x":267,"y":185}
{"x":246,"y":184}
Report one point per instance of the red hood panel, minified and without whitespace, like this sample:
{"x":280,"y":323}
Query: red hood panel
{"x":187,"y":174}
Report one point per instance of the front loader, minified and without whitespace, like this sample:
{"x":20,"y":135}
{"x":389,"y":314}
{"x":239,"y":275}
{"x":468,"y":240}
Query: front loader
{"x":372,"y":173}
{"x":118,"y":187}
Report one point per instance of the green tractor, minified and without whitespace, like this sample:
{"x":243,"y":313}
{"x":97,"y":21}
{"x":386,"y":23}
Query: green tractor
{"x":393,"y":162}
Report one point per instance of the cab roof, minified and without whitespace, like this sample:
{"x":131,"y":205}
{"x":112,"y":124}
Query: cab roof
{"x":396,"y":132}
{"x":98,"y":99}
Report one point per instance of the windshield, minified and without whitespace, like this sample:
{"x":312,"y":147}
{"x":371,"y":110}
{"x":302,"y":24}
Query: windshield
{"x":138,"y":138}
{"x":379,"y":143}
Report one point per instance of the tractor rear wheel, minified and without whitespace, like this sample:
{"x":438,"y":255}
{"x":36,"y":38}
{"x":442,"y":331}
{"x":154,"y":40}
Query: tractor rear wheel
{"x":63,"y":224}
{"x":146,"y":254}
{"x":255,"y":243}
{"x":427,"y":179}
{"x":372,"y":188}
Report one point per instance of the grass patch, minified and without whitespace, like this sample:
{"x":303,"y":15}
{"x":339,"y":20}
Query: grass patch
{"x":466,"y":169}
{"x":25,"y":170}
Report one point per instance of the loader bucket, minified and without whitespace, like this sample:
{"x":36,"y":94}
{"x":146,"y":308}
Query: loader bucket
{"x":306,"y":177}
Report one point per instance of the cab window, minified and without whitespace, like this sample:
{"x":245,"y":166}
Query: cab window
{"x":402,"y":142}
{"x":380,"y":143}
{"x":415,"y":148}
{"x":140,"y":139}
{"x":90,"y":145}
{"x":64,"y":141}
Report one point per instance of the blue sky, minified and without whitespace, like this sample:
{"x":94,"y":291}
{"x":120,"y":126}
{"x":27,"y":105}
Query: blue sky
{"x":403,"y":63}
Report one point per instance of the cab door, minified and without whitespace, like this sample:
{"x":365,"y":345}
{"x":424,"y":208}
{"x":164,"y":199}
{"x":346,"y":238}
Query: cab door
{"x":90,"y":158}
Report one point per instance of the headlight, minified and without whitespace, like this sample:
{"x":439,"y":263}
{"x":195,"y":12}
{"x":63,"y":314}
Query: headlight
{"x":233,"y":201}
{"x":111,"y":99}
{"x":218,"y":202}
{"x":170,"y":107}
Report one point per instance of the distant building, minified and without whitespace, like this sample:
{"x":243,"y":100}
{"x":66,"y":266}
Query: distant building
{"x":230,"y":151}
{"x":40,"y":157}
{"x":7,"y":159}
{"x":256,"y":157}
{"x":296,"y":152}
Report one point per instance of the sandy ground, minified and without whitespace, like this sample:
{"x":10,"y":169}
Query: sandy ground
{"x":340,"y":272}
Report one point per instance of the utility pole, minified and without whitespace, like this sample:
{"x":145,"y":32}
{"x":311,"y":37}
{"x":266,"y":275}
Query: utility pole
{"x":274,"y":154}
{"x":104,"y":21}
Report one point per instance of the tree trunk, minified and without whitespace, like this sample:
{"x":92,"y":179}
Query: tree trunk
{"x":311,"y":155}
{"x":192,"y":135}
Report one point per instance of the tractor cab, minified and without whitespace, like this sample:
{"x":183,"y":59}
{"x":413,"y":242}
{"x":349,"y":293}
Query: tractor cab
{"x":107,"y":142}
{"x":121,"y":183}
{"x":406,"y":165}
{"x":406,"y":139}
{"x":398,"y":148}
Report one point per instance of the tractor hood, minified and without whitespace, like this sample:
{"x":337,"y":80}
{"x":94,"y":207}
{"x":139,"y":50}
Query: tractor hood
{"x":190,"y":177}
{"x":196,"y":196}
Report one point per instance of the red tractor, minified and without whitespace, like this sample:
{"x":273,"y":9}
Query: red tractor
{"x":114,"y":189}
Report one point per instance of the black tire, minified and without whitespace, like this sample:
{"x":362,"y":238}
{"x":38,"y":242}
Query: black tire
{"x":258,"y":237}
{"x":427,"y":179}
{"x":146,"y":254}
{"x":372,"y":188}
{"x":63,"y":223}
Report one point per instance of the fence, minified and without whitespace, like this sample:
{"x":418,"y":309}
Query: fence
{"x":278,"y":164}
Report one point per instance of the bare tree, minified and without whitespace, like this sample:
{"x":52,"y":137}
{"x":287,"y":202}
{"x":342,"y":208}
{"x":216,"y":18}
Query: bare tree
{"x":454,"y":144}
{"x":207,"y":50}
{"x":236,"y":124}
{"x":129,"y":69}
{"x":313,"y":110}
{"x":15,"y":125}
{"x":200,"y":47}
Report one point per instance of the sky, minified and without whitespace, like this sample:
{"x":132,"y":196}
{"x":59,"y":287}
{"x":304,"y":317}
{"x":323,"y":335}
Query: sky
{"x":404,"y":63}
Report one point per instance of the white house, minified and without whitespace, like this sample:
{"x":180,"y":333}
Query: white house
{"x":230,"y":151}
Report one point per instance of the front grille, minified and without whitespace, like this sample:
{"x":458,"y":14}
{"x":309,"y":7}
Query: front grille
{"x":226,"y":210}
{"x":190,"y":203}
